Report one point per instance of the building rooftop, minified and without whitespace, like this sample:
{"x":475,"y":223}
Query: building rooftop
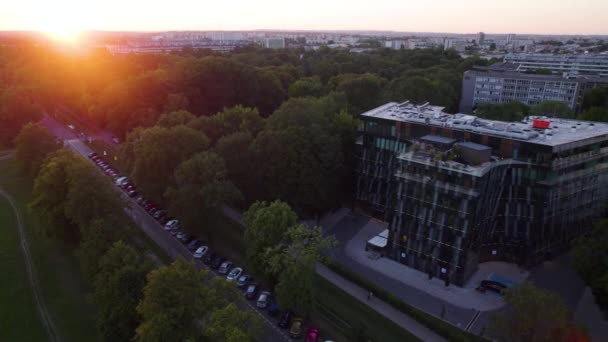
{"x":559,"y":131}
{"x":475,"y":146}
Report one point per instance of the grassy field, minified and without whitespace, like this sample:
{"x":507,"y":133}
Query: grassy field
{"x":352,"y":319}
{"x":19,"y":320}
{"x":63,"y":288}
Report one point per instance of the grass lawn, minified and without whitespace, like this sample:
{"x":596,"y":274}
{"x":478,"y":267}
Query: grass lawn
{"x":19,"y":320}
{"x":63,"y":288}
{"x":353,"y":319}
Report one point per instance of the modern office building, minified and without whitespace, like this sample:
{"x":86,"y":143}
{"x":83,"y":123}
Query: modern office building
{"x":502,"y":82}
{"x":580,"y":64}
{"x":457,"y":190}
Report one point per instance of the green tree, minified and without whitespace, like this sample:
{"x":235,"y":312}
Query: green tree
{"x":51,"y":188}
{"x":238,"y":153}
{"x":16,"y":110}
{"x":175,"y":118}
{"x":201,"y":187}
{"x":32,"y":145}
{"x":595,"y":114}
{"x":117,"y":289}
{"x":596,"y":97}
{"x":590,"y":260}
{"x":230,"y":120}
{"x":229,"y":324}
{"x":510,"y":111}
{"x":293,"y":261}
{"x":162,"y":149}
{"x":265,"y":225}
{"x":95,"y":240}
{"x":175,"y":300}
{"x":363,"y":92}
{"x":306,"y":87}
{"x":556,"y":109}
{"x":533,"y":315}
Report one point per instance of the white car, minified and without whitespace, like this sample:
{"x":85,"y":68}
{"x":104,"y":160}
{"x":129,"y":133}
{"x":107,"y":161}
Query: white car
{"x":121,"y":180}
{"x":234,"y":274}
{"x":225,"y":267}
{"x":171,"y":224}
{"x":263,"y":300}
{"x":200,"y":252}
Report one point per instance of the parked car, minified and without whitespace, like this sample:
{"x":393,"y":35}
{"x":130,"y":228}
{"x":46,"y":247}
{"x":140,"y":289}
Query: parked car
{"x":208,"y":259}
{"x":164,"y":219}
{"x":171,"y":224}
{"x":121,"y":181}
{"x":312,"y":335}
{"x":159,"y":214}
{"x":132,"y":193}
{"x":263,"y":300}
{"x":200,"y":252}
{"x":243,"y":280}
{"x":296,"y":327}
{"x":285,"y":319}
{"x":175,"y":231}
{"x":251,"y":291}
{"x":234,"y":274}
{"x":91,"y":155}
{"x":194,"y":245}
{"x":184,"y":237}
{"x":491,"y":285}
{"x":216,"y":262}
{"x":225,"y":267}
{"x":116,"y":140}
{"x":273,"y":308}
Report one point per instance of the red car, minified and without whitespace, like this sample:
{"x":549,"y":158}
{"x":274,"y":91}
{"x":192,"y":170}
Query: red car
{"x":312,"y":335}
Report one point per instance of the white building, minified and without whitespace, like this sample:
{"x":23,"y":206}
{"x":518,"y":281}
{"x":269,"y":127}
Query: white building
{"x":274,"y":43}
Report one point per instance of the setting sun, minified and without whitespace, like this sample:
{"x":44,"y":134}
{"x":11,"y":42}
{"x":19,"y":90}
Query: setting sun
{"x":63,"y":34}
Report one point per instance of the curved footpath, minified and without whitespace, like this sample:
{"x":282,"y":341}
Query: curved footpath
{"x":45,"y":317}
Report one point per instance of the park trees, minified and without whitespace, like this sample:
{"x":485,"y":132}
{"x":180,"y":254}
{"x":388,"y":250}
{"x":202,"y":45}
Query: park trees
{"x":556,"y":109}
{"x":175,"y":118}
{"x":117,"y":289}
{"x":509,"y":111}
{"x":230,"y":120}
{"x":284,"y":251}
{"x":175,"y":298}
{"x":178,"y":306}
{"x":16,"y":110}
{"x":590,"y":259}
{"x":534,"y":315}
{"x":265,"y":225}
{"x":201,"y":186}
{"x":162,"y":150}
{"x":32,"y":145}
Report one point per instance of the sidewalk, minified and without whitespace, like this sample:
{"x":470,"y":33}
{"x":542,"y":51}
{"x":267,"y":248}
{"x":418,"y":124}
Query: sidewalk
{"x":386,"y":310}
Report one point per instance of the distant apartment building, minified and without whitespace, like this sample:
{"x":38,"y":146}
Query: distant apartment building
{"x":274,"y":43}
{"x":499,"y":85}
{"x":580,"y":64}
{"x":457,"y":190}
{"x":503,"y":82}
{"x":456,"y":44}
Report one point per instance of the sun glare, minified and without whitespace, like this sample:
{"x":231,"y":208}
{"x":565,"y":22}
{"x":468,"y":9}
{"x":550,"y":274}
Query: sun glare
{"x":61,"y":20}
{"x":63,"y":34}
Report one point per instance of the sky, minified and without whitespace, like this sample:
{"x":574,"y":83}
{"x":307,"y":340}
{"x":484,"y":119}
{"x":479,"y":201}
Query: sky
{"x":457,"y":16}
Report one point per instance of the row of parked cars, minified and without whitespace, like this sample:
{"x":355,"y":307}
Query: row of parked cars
{"x":251,"y":290}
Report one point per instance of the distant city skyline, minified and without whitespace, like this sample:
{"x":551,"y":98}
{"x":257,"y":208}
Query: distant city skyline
{"x":464,"y":16}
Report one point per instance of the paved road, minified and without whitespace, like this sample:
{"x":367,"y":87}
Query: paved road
{"x":155,"y":231}
{"x":45,"y":316}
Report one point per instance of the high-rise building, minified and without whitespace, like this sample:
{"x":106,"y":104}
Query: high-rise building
{"x":457,"y":190}
{"x":510,"y":38}
{"x":481,"y":38}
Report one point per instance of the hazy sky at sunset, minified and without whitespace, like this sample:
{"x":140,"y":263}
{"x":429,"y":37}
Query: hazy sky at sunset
{"x":466,"y":16}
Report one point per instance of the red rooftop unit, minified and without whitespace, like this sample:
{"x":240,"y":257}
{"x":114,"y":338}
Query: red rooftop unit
{"x":542,"y":124}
